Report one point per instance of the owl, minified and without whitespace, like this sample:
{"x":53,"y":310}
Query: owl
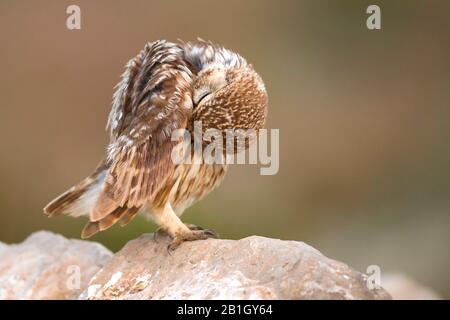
{"x":166,"y":87}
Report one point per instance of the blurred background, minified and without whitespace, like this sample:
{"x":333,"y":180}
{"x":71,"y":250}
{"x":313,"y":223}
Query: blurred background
{"x":363,"y":117}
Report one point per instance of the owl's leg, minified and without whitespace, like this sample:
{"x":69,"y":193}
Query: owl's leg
{"x":169,"y":222}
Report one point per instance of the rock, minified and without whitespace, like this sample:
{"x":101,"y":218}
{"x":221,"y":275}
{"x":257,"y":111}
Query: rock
{"x":2,"y":247}
{"x":48,"y":266}
{"x":251,"y":268}
{"x":402,"y":287}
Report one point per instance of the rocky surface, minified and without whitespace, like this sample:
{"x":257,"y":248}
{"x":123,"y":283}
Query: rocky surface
{"x":251,"y":268}
{"x":2,"y":247}
{"x":48,"y":266}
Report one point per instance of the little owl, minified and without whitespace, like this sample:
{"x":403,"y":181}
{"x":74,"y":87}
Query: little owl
{"x":167,"y":86}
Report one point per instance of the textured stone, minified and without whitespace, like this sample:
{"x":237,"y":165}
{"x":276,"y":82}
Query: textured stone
{"x":48,"y":266}
{"x":250,"y":268}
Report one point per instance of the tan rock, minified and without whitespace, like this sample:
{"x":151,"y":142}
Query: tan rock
{"x":251,"y":268}
{"x":48,"y":266}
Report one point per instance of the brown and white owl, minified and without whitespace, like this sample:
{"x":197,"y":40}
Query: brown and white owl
{"x":166,"y":87}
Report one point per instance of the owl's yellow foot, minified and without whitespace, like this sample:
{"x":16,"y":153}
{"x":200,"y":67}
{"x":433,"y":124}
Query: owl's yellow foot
{"x":192,"y":235}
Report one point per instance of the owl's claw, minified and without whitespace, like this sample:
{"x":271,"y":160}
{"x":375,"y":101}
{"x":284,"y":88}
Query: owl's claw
{"x":191,"y":236}
{"x":193,"y":227}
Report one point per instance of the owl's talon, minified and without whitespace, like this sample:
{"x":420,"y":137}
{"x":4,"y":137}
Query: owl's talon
{"x":211,"y":233}
{"x":171,"y":247}
{"x":193,"y":227}
{"x":193,"y":235}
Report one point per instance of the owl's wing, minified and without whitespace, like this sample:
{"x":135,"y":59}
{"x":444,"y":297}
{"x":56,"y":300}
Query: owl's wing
{"x":153,"y":98}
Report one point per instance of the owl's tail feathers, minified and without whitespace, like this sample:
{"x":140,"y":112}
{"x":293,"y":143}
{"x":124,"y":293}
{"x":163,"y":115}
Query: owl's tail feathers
{"x":63,"y":202}
{"x":124,"y":214}
{"x":82,"y":198}
{"x":79,"y":199}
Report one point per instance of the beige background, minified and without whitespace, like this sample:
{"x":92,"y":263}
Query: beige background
{"x":363,"y":118}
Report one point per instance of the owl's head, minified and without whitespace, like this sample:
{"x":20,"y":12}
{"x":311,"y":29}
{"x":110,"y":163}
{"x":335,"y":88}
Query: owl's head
{"x":227,"y":92}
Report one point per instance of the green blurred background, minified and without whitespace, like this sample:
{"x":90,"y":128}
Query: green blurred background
{"x":363,"y":117}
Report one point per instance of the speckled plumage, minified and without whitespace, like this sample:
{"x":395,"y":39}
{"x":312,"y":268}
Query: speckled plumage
{"x":167,"y":86}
